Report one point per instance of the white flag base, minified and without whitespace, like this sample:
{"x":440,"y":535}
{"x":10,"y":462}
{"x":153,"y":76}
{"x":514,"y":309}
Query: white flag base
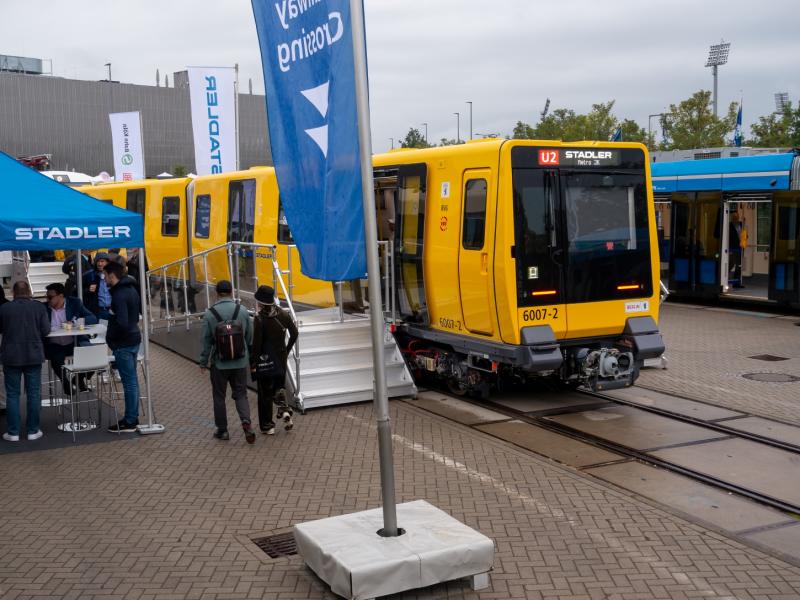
{"x":150,"y":429}
{"x":348,"y":554}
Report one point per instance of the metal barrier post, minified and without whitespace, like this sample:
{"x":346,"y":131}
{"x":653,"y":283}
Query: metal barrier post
{"x":230,"y":270}
{"x":185,"y":295}
{"x":341,"y":302}
{"x":166,"y":294}
{"x":205,"y":280}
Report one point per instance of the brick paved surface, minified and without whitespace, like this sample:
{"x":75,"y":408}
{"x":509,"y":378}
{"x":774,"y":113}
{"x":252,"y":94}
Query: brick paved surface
{"x":171,"y":516}
{"x":709,"y":350}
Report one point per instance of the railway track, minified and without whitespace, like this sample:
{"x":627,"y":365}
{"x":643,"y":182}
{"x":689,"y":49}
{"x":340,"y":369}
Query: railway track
{"x":718,"y":432}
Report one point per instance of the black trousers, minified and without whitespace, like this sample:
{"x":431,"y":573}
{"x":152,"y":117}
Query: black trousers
{"x":237,"y":378}
{"x":267,"y":388}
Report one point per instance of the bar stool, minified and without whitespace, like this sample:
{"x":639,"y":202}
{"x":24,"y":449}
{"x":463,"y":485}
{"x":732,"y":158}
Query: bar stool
{"x":87,"y":360}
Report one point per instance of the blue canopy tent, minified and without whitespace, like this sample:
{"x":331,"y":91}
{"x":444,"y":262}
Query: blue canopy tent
{"x":38,"y":213}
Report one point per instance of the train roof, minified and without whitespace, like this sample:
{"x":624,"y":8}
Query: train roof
{"x":767,"y":172}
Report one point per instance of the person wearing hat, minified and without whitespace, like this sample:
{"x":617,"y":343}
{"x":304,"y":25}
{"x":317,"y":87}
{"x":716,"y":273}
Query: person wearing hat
{"x":270,"y":347}
{"x":96,"y":291}
{"x":224,"y":372}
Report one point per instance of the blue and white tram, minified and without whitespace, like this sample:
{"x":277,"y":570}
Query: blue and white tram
{"x":730,"y":227}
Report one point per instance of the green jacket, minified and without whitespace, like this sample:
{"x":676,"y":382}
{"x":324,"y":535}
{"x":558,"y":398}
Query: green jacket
{"x":225,"y":308}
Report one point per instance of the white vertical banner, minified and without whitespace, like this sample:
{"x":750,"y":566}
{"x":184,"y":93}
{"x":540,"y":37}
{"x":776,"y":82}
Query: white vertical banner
{"x":213,"y":100}
{"x":126,"y":140}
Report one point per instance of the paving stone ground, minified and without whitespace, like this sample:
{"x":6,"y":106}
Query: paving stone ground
{"x":709,"y":350}
{"x":171,"y":516}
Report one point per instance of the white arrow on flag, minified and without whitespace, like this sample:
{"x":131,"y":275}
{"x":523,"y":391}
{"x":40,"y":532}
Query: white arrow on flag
{"x":318,"y":96}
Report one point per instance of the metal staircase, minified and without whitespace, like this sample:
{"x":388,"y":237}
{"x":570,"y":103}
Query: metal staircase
{"x":330,"y":364}
{"x":38,"y":274}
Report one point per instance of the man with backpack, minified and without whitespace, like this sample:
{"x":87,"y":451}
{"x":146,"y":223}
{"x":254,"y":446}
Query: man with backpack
{"x":227,"y":334}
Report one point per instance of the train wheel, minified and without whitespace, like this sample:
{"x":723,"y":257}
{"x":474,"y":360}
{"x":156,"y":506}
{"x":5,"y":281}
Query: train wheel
{"x":456,"y":387}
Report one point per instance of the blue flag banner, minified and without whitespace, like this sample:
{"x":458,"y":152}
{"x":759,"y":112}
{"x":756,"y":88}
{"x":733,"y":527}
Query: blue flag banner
{"x":307,"y":57}
{"x":737,"y":135}
{"x":617,"y":135}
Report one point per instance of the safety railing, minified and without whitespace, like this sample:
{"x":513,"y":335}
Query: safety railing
{"x":197,"y":274}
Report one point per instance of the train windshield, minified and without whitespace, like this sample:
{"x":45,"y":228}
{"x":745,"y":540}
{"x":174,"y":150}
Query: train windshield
{"x":607,"y":237}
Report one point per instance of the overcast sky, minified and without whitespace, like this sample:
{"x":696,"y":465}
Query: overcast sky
{"x":428,"y":58}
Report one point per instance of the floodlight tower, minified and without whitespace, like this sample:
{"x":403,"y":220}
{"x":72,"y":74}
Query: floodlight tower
{"x":717,"y":56}
{"x":781,"y":101}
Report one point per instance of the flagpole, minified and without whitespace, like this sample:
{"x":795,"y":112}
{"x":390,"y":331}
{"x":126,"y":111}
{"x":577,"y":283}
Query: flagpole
{"x":373,"y":270}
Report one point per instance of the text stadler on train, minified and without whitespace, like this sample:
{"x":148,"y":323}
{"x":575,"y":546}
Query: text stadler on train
{"x":308,"y":43}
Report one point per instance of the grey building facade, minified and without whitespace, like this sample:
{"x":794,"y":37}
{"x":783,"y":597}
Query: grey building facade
{"x":68,"y":119}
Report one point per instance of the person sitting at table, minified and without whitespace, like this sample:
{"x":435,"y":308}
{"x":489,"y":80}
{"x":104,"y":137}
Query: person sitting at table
{"x":61,"y":309}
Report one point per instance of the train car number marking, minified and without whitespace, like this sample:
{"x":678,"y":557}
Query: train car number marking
{"x":641,"y":306}
{"x":449,"y":323}
{"x":445,"y":189}
{"x":540,"y":314}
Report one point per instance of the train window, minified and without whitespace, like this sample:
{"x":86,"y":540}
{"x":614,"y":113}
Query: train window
{"x":202,"y":216}
{"x":170,"y":216}
{"x":607,"y":235}
{"x":241,"y":210}
{"x":106,"y":200}
{"x":284,"y":233}
{"x":134,"y":201}
{"x":474,"y":214}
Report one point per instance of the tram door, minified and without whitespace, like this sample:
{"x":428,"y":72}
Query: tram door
{"x":241,"y":228}
{"x":474,"y":254}
{"x":409,"y":238}
{"x":784,"y":260}
{"x":696,"y":243}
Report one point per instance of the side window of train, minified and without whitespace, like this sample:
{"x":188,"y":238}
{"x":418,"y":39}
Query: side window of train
{"x":202,"y":216}
{"x":170,"y":216}
{"x":106,"y":201}
{"x":474,"y":214}
{"x":134,"y":201}
{"x":241,"y":210}
{"x":284,"y":233}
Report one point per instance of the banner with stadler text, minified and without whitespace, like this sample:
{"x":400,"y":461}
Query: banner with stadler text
{"x":126,"y":140}
{"x":212,"y":95}
{"x":307,"y":56}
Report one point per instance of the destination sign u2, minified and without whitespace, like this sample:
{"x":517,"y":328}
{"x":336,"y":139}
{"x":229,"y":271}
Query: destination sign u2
{"x":578,"y":157}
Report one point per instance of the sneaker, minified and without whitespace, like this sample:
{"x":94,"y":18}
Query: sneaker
{"x":123,"y":427}
{"x":268,"y":431}
{"x":35,"y":435}
{"x":222,"y":434}
{"x":249,"y":434}
{"x":10,"y":438}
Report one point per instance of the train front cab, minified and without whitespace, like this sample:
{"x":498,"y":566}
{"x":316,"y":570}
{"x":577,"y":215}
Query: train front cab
{"x":510,"y":266}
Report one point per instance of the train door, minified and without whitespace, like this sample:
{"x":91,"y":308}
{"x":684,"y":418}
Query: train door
{"x":409,"y":239}
{"x":784,"y":265}
{"x":241,"y":228}
{"x":474,"y":256}
{"x":695,"y":240}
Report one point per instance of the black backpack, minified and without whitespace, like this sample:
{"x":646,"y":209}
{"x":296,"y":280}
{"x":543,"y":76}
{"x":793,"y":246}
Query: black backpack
{"x":229,"y":336}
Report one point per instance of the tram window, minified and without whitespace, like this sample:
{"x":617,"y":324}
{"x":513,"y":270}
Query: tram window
{"x":170,"y":216}
{"x":763,"y":222}
{"x":241,"y":210}
{"x":474,"y":214}
{"x":134,"y":201}
{"x":787,"y":223}
{"x":284,"y":233}
{"x":202,"y":216}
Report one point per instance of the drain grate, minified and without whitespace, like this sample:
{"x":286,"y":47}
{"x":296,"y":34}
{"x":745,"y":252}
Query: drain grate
{"x":771,"y":377}
{"x":768,"y":357}
{"x":278,"y":545}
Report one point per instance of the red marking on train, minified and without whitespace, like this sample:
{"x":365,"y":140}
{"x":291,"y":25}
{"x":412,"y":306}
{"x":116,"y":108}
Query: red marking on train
{"x":549,"y":157}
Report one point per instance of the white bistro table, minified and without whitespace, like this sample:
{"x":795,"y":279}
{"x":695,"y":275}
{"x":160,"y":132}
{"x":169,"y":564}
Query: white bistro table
{"x":74,"y":333}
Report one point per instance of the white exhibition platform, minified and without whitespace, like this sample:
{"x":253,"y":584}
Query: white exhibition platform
{"x":348,"y":554}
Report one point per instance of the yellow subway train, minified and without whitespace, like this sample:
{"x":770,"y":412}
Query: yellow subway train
{"x":512,"y":258}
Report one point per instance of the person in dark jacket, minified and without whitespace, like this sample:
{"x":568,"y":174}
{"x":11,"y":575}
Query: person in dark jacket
{"x":3,"y":298}
{"x":61,"y":309}
{"x":24,"y":325}
{"x":269,"y":339}
{"x":96,"y":290}
{"x":123,"y":337}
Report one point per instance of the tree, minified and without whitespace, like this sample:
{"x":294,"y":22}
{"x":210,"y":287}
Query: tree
{"x":448,"y":142}
{"x":523,"y":131}
{"x":414,"y":139}
{"x":179,"y":171}
{"x":777,"y":130}
{"x":692,"y":124}
{"x":631,"y":132}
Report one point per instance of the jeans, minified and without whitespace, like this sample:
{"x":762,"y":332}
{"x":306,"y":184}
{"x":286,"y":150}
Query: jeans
{"x":125,"y":360}
{"x":33,"y":379}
